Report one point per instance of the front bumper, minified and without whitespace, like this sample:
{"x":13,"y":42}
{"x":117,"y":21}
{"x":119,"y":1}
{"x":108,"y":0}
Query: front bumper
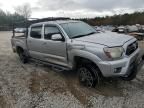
{"x":123,"y":67}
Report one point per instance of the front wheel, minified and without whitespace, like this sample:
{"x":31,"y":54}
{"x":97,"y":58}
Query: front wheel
{"x":88,"y":75}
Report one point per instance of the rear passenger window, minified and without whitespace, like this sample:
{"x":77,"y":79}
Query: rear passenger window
{"x":36,"y":32}
{"x":49,"y":31}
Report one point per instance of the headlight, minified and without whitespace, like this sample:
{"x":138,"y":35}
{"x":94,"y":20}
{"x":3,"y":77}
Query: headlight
{"x":114,"y":53}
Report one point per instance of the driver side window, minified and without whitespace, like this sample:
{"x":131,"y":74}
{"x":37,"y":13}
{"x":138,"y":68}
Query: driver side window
{"x":49,"y":31}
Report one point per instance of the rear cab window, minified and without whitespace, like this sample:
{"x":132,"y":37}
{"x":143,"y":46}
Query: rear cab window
{"x":36,"y":32}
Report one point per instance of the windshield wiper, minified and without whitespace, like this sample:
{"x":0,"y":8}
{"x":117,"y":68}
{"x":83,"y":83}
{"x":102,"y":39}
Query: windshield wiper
{"x":91,"y":33}
{"x":84,"y":35}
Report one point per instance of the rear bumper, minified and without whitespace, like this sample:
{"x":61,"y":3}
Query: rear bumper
{"x":123,"y":67}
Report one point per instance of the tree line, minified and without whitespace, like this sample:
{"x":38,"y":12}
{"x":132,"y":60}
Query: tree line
{"x":125,"y":19}
{"x":7,"y":19}
{"x":24,"y":12}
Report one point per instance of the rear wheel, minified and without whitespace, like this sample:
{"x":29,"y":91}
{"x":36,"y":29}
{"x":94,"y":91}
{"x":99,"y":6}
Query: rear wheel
{"x":23,"y":57}
{"x":88,"y":75}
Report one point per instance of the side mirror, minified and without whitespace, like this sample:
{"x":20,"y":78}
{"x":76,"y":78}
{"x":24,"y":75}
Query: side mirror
{"x":57,"y":37}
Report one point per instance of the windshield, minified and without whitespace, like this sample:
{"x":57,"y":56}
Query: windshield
{"x":78,"y":29}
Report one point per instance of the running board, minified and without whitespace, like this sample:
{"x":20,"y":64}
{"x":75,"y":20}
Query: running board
{"x":54,"y":66}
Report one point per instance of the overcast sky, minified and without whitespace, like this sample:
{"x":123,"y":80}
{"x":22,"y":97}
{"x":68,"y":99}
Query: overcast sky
{"x":75,"y":8}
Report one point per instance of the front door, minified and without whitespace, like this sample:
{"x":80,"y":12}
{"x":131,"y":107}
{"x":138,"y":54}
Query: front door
{"x":54,"y":50}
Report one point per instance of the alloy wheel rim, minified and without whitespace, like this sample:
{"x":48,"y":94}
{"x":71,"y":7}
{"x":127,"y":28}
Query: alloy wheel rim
{"x":85,"y":77}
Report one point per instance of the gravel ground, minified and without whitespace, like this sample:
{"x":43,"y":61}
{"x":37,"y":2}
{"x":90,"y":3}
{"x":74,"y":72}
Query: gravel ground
{"x":39,"y":86}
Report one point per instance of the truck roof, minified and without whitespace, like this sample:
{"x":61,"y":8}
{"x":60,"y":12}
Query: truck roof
{"x":56,"y":22}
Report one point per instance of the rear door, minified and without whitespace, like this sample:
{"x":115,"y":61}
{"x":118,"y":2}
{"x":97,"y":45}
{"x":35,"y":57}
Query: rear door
{"x":35,"y":41}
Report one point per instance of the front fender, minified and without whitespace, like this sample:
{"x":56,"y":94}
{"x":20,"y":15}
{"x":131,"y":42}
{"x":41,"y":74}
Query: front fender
{"x":84,"y":54}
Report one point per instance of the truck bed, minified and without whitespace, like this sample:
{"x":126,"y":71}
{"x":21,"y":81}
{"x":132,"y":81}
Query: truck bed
{"x":20,"y":35}
{"x":19,"y":40}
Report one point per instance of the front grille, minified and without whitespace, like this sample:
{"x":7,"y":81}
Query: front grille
{"x":131,"y":48}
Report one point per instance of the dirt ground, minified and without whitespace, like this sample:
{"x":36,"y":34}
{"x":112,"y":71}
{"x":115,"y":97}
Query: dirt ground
{"x":39,"y":86}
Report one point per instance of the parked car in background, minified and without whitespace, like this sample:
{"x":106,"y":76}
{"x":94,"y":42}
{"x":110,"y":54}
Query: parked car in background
{"x":132,"y":28}
{"x":139,"y":36}
{"x":20,"y":30}
{"x":115,"y":29}
{"x":107,"y":28}
{"x":142,"y":28}
{"x":121,"y":29}
{"x":99,"y":28}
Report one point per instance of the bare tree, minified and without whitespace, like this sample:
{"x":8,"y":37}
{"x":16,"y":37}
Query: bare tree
{"x":24,"y":10}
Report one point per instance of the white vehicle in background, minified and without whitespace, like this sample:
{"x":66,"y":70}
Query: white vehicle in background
{"x":121,"y":29}
{"x":99,"y":28}
{"x":132,"y":28}
{"x":142,"y":28}
{"x":108,"y":28}
{"x":20,"y":30}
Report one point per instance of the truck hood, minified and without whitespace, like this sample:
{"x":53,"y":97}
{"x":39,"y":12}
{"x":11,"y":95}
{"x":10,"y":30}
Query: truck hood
{"x":109,"y":39}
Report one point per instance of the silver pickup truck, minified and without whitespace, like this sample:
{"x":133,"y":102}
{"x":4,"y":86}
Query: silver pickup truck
{"x":75,"y":45}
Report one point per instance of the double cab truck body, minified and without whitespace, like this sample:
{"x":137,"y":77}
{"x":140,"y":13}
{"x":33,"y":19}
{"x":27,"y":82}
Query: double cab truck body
{"x":75,"y":45}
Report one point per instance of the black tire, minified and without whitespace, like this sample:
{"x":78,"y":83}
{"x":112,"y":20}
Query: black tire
{"x":22,"y":56}
{"x":88,"y":75}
